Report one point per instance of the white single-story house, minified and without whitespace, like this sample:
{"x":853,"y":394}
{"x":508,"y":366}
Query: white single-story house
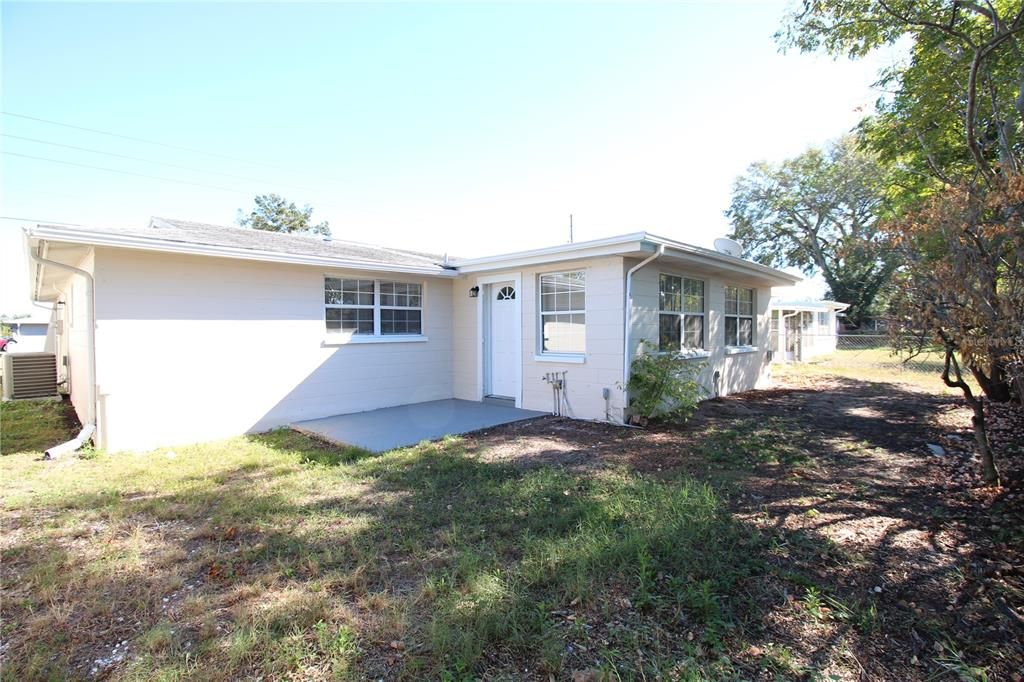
{"x":803,"y":329}
{"x":183,"y":332}
{"x":29,"y":332}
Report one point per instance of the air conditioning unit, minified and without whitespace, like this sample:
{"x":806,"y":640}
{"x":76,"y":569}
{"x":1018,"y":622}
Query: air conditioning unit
{"x":29,"y":375}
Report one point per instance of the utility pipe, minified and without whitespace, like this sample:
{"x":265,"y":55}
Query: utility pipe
{"x":90,"y":287}
{"x":626,"y":356}
{"x":785,"y":333}
{"x":70,"y":446}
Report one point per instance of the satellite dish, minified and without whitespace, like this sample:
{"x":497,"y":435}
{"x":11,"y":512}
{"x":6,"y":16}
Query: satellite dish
{"x":729,"y":247}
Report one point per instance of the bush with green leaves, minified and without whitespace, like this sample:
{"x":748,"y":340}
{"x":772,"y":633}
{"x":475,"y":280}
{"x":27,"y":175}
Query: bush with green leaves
{"x":663,"y":386}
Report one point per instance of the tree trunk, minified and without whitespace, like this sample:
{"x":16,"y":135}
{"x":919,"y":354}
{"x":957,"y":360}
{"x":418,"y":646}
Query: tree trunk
{"x":994,"y":384}
{"x":989,"y":472}
{"x":988,"y":465}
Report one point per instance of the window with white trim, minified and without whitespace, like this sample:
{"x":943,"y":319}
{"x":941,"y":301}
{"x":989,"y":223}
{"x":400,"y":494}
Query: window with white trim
{"x":739,"y":316}
{"x":563,"y":318}
{"x":367,"y":307}
{"x":681,"y":313}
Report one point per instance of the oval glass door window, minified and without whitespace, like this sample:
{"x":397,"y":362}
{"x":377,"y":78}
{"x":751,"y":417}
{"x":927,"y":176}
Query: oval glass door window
{"x":506,"y":294}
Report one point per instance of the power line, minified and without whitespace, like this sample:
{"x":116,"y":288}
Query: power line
{"x":138,"y":175}
{"x":39,"y":220}
{"x":144,"y":140}
{"x":123,"y":172}
{"x":144,"y":160}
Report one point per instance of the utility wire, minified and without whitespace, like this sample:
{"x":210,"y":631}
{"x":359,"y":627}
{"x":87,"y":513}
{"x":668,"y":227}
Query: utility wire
{"x":122,"y":172}
{"x":39,"y":220}
{"x":139,"y":175}
{"x":144,"y":160}
{"x":143,"y":140}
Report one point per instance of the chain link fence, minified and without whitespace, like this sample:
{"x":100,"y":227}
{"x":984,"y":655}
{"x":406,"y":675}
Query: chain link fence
{"x":852,"y":352}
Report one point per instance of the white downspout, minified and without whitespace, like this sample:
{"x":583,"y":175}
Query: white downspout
{"x":626,"y":356}
{"x":90,"y":287}
{"x":785,"y":334}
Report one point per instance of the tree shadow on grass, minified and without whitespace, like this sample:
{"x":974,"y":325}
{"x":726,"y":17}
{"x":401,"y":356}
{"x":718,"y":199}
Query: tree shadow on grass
{"x":477,"y":564}
{"x":442,"y":559}
{"x":843,"y":484}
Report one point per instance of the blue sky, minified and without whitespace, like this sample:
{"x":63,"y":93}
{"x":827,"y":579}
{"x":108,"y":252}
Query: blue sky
{"x":466,"y":128}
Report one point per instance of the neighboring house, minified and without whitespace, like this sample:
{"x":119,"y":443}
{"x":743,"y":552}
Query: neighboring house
{"x":204,"y":332}
{"x":803,"y":329}
{"x":29,"y":333}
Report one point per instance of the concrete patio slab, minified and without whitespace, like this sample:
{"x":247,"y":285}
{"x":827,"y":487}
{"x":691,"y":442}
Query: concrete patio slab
{"x":394,"y":427}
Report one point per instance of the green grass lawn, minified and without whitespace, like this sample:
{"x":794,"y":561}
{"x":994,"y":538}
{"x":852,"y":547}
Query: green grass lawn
{"x":878,"y":365}
{"x":745,"y":545}
{"x":277,"y":556}
{"x":31,"y":425}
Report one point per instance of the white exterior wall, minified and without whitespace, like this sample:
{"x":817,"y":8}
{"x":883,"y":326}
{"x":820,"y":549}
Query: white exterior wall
{"x":738,"y":372}
{"x":30,"y":337}
{"x":602,"y":364}
{"x":813,"y":340}
{"x":68,"y":337}
{"x":820,"y":340}
{"x":195,"y":348}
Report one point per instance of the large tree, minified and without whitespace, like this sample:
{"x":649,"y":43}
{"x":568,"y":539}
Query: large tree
{"x":274,"y":213}
{"x":952,"y":126}
{"x":953,"y":110}
{"x":961,"y":286}
{"x":818,"y":212}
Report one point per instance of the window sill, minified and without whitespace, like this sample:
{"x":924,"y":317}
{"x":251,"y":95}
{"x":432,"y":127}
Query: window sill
{"x":740,"y":350}
{"x":692,"y":354}
{"x":343,"y":340}
{"x":570,"y":358}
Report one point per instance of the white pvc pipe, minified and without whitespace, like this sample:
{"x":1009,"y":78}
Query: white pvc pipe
{"x":91,"y":411}
{"x":785,"y":334}
{"x":626,"y":355}
{"x":70,"y":446}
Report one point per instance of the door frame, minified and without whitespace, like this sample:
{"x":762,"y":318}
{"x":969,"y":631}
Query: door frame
{"x":482,"y":329}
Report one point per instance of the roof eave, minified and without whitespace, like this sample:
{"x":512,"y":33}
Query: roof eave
{"x":623,"y":245}
{"x":726,"y":262}
{"x":96,"y":238}
{"x":610,"y":246}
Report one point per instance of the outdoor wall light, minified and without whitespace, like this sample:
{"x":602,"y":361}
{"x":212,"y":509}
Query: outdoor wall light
{"x":474,"y":292}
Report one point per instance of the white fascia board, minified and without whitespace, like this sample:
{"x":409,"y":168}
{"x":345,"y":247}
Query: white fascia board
{"x":35,"y":273}
{"x":613,"y":246}
{"x":724,"y":261}
{"x":740,"y":268}
{"x":809,"y":306}
{"x":621,"y":245}
{"x":93,"y":238}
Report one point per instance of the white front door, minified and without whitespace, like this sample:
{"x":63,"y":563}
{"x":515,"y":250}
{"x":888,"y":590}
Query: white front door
{"x":504,"y":354}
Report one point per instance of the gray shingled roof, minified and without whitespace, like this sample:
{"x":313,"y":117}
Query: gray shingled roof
{"x":306,"y":245}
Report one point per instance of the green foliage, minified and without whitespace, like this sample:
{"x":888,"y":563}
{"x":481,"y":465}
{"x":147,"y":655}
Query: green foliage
{"x":818,"y":212}
{"x":274,"y":213}
{"x":936,"y":124}
{"x":663,"y":386}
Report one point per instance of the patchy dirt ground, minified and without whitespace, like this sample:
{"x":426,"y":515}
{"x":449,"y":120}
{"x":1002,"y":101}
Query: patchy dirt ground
{"x":807,"y":532}
{"x":916,"y":560}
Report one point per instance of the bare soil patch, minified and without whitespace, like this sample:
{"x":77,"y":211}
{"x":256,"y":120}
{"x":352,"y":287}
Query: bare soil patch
{"x":913,"y":567}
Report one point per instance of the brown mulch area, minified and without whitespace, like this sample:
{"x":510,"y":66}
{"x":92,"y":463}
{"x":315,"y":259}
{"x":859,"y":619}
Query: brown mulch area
{"x":909,"y":534}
